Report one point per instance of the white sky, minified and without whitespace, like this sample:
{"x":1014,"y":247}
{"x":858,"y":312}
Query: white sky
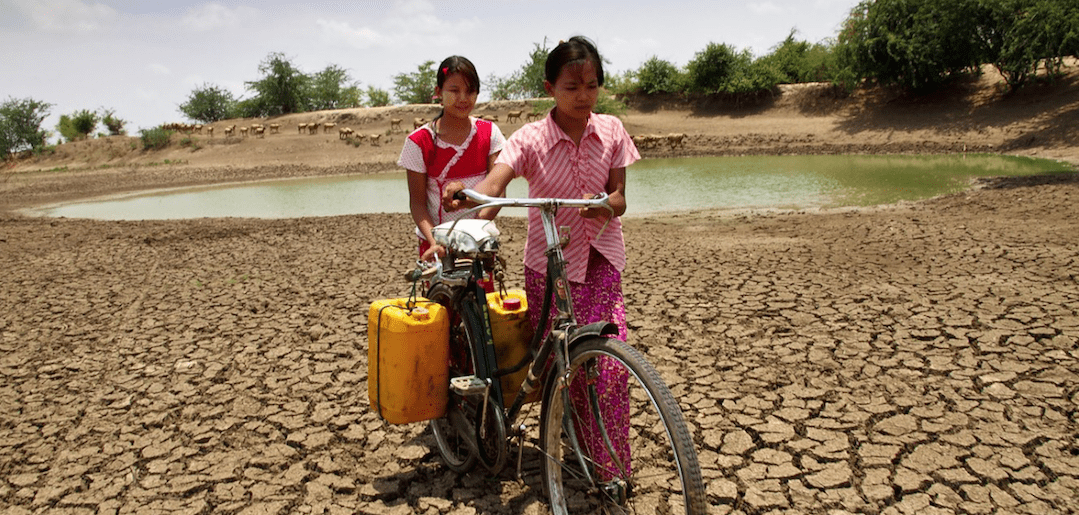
{"x":142,"y":58}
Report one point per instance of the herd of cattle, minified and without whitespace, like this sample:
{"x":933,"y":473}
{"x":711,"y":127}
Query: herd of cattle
{"x":258,"y":130}
{"x":673,"y":140}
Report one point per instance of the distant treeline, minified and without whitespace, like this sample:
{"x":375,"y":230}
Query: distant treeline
{"x":919,"y":45}
{"x":916,"y":44}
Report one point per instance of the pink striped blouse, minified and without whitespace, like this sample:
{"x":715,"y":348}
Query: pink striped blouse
{"x":555,"y":167}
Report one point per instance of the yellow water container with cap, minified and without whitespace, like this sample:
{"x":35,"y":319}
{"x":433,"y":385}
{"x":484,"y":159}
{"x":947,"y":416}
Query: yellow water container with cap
{"x":512,"y":333}
{"x":408,"y":359}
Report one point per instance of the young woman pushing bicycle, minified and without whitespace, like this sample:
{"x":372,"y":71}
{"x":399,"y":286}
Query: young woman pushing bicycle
{"x":575,"y":153}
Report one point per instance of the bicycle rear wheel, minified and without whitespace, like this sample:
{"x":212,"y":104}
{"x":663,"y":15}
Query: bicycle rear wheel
{"x":613,"y":437}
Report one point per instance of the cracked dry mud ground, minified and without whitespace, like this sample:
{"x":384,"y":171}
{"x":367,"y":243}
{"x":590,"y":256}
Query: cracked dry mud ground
{"x":915,"y":359}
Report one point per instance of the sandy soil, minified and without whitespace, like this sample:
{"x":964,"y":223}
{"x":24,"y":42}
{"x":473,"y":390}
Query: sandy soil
{"x":901,"y":359}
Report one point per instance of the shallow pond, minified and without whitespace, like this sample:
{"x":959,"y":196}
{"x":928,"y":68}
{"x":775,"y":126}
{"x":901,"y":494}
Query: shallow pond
{"x":653,"y":185}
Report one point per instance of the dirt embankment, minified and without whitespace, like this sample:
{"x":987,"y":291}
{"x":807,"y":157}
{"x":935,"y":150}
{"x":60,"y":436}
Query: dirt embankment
{"x":970,"y":116}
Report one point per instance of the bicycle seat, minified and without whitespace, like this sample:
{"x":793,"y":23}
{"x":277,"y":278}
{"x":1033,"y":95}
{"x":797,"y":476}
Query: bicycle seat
{"x":468,"y":236}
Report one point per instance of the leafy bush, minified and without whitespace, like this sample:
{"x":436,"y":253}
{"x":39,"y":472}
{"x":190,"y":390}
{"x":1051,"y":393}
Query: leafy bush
{"x":112,"y":123}
{"x":606,"y":104}
{"x":156,"y":138}
{"x":799,"y":61}
{"x":621,"y":83}
{"x":190,"y":142}
{"x":377,"y":97}
{"x":78,"y":125}
{"x":722,"y":69}
{"x":711,"y":69}
{"x":84,"y":121}
{"x":659,"y":76}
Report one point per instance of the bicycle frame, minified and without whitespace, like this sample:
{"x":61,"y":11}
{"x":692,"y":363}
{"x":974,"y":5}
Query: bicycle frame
{"x":564,"y":327}
{"x":570,"y":354}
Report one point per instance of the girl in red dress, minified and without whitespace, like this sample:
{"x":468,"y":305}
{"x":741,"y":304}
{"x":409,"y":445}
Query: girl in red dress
{"x":453,"y":147}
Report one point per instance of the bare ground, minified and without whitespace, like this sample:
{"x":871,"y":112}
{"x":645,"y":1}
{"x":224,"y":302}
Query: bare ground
{"x":919,"y":358}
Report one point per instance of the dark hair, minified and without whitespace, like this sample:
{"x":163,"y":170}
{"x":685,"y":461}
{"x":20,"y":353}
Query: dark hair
{"x":451,"y":65}
{"x":457,"y":64}
{"x":577,"y":50}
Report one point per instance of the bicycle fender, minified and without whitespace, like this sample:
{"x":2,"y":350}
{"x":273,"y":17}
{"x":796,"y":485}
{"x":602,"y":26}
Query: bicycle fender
{"x":591,"y":330}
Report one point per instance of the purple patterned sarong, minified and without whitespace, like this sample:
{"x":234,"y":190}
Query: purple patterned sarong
{"x":597,"y":299}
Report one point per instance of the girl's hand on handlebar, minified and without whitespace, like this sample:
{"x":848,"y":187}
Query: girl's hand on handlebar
{"x":594,"y":212}
{"x":449,"y":202}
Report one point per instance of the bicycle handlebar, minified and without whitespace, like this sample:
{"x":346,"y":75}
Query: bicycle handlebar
{"x":599,"y":200}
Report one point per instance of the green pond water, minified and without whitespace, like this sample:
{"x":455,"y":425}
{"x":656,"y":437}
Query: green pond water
{"x":652,"y":185}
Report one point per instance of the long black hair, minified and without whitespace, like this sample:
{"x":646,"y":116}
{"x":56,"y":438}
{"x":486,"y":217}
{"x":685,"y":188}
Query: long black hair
{"x":577,"y":49}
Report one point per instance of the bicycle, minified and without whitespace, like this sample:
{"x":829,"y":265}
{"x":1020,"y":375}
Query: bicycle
{"x":654,"y":469}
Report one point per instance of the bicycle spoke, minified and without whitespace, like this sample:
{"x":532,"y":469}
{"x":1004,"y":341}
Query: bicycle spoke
{"x":637,"y":453}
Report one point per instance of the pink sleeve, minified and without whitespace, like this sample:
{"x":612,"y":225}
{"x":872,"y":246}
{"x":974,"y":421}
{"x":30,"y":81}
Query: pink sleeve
{"x":625,"y":151}
{"x":513,"y":154}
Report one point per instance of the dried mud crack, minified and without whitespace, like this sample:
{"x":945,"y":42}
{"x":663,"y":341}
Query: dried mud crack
{"x":915,"y":359}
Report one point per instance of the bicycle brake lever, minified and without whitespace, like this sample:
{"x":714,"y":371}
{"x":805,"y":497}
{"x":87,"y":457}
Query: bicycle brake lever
{"x":601,"y":229}
{"x":609,"y":209}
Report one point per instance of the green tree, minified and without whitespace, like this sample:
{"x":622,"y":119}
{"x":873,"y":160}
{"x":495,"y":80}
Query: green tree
{"x":1024,"y":34}
{"x":917,"y":44}
{"x":20,"y":125}
{"x":619,"y":83}
{"x":799,"y":61}
{"x":208,"y":103}
{"x":377,"y":97}
{"x":526,"y":82}
{"x":417,"y":87}
{"x":78,"y":125}
{"x":849,"y":45}
{"x":711,"y":69}
{"x":333,"y":88}
{"x":753,"y":76}
{"x":660,"y":76}
{"x":253,"y":107}
{"x":282,"y":88}
{"x":722,"y":69}
{"x":789,"y":58}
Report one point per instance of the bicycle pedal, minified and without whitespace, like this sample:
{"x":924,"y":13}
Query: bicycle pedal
{"x":468,"y":385}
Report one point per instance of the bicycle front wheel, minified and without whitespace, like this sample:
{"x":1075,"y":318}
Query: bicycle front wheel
{"x":452,"y":438}
{"x":613,"y":437}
